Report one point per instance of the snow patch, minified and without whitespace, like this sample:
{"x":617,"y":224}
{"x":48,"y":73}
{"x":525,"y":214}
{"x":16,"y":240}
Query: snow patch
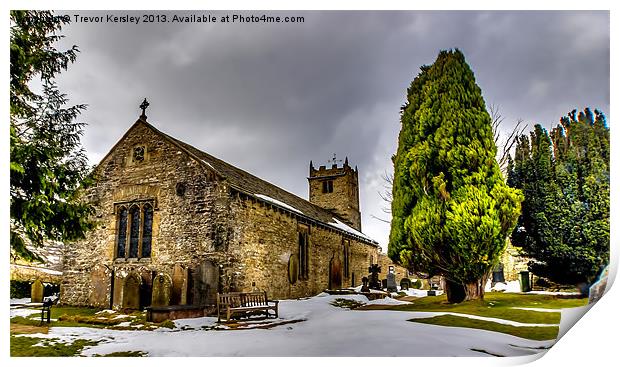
{"x":346,"y":228}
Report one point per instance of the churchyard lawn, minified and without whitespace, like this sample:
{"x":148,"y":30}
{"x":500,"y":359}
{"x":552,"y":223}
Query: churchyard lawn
{"x":504,"y":324}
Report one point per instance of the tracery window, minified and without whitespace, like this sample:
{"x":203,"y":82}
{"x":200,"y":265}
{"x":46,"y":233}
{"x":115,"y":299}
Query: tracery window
{"x":134,"y":230}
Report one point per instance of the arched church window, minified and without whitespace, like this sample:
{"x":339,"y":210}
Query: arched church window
{"x":135,"y":230}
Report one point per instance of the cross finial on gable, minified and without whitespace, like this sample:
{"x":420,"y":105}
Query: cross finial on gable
{"x":145,"y":104}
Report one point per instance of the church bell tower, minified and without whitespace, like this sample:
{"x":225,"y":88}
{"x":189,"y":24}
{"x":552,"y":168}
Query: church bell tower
{"x":337,"y":190}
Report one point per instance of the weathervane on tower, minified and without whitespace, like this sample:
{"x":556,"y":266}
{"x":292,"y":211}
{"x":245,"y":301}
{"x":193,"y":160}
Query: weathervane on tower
{"x":334,"y":160}
{"x":145,"y":104}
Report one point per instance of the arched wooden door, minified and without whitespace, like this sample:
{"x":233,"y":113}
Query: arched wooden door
{"x":335,"y":273}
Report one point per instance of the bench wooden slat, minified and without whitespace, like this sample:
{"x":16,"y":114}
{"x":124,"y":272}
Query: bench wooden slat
{"x":245,"y":304}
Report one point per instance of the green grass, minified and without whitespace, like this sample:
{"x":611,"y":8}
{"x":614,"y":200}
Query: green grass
{"x":498,"y":305}
{"x":88,"y":317}
{"x":527,"y":332}
{"x":24,"y":346}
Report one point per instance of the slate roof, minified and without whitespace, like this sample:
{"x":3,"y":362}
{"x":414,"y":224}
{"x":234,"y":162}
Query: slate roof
{"x":258,"y":188}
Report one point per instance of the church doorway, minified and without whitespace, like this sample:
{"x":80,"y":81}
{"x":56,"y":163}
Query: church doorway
{"x":335,"y":273}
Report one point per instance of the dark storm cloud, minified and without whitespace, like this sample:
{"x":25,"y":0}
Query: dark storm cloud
{"x":270,"y":97}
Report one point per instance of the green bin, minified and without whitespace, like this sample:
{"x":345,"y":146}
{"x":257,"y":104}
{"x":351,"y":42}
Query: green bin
{"x":525,"y":281}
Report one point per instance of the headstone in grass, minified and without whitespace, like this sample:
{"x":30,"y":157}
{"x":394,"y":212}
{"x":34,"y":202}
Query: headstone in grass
{"x":391,"y":283}
{"x":405,"y":284}
{"x":162,"y":289}
{"x":36,"y":291}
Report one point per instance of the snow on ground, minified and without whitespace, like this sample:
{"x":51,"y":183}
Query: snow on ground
{"x":415,"y":292}
{"x":19,"y":301}
{"x":23,"y":312}
{"x":387,"y":301}
{"x":326,"y":331}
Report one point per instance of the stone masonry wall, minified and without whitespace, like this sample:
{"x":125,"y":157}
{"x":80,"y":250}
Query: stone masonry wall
{"x":385,"y":262}
{"x":266,"y":237}
{"x":187,"y":228}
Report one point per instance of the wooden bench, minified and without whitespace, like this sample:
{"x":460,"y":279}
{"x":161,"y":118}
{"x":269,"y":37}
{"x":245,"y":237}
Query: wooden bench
{"x":245,"y":305}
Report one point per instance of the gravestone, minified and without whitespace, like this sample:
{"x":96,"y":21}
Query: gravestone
{"x":179,"y":285}
{"x":117,"y":290}
{"x":131,"y":292}
{"x":162,"y":289}
{"x":204,"y":279}
{"x":36,"y":291}
{"x":101,"y":282}
{"x":365,"y":285}
{"x":374,"y":282}
{"x":391,"y":283}
{"x":405,"y":284}
{"x":383,"y":283}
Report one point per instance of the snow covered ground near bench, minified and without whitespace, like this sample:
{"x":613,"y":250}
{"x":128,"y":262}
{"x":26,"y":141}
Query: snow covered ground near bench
{"x":325,"y":331}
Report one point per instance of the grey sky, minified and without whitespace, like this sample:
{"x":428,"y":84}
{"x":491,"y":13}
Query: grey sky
{"x":268,"y":98}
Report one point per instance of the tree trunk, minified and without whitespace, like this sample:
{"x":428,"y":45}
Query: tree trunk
{"x":458,"y":292}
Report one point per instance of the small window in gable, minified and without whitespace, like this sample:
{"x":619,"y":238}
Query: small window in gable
{"x":138,"y":153}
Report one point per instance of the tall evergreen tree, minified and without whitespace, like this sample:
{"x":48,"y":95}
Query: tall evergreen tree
{"x":47,"y":164}
{"x":451,"y":208}
{"x":564,"y":225}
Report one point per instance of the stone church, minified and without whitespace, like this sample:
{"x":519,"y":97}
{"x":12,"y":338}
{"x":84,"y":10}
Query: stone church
{"x":176,"y":225}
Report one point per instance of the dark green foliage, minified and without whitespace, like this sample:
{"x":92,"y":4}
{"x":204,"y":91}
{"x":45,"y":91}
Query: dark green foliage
{"x":47,"y":163}
{"x":564,"y":175}
{"x":417,"y":284}
{"x":452,"y":210}
{"x":20,"y":288}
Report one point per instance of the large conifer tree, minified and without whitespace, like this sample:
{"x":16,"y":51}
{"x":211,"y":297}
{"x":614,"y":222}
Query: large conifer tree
{"x":452,"y":210}
{"x":564,"y":175}
{"x":47,"y":161}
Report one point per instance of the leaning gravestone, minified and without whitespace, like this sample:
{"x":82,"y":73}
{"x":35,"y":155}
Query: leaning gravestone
{"x":162,"y":289}
{"x":36,"y":292}
{"x":391,"y":283}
